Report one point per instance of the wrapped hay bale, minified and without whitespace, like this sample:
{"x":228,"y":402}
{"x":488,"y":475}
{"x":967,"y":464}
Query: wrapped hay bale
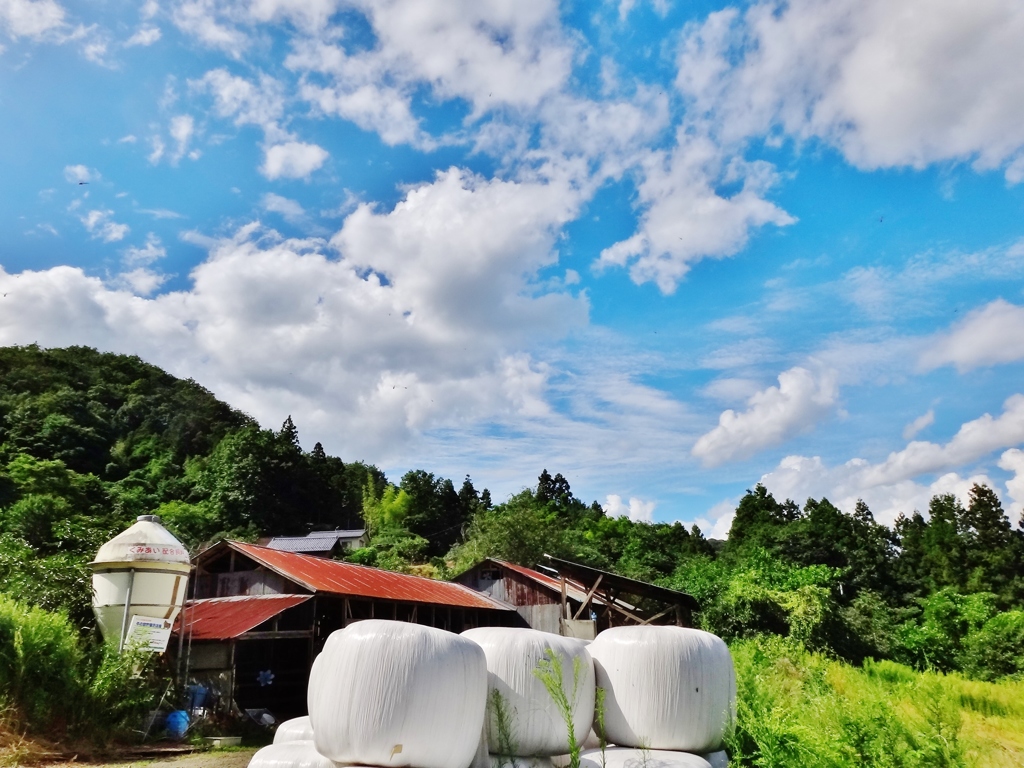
{"x":390,"y":693}
{"x":520,"y":709}
{"x":667,"y":688}
{"x":717,"y":759}
{"x":290,"y":754}
{"x":625,"y":757}
{"x":520,"y":762}
{"x":297,"y":729}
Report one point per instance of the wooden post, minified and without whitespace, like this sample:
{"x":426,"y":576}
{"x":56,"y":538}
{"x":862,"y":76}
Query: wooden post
{"x":565,"y":604}
{"x":589,"y":597}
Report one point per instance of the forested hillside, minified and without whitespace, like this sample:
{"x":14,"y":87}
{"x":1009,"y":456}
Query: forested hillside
{"x":88,"y":441}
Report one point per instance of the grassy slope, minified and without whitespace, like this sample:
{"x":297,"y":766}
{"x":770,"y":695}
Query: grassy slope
{"x":802,"y":709}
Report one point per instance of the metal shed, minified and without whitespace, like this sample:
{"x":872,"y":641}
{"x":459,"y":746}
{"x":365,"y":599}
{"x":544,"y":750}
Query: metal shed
{"x":258,"y":617}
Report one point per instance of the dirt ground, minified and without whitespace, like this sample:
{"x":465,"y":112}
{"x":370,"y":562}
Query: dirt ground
{"x":228,"y":758}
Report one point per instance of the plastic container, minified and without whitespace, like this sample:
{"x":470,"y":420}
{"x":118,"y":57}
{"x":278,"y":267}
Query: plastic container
{"x":176,"y":724}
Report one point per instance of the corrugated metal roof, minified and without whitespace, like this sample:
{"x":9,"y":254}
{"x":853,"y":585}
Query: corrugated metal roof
{"x":317,"y":541}
{"x":333,"y":577}
{"x":223,"y":618}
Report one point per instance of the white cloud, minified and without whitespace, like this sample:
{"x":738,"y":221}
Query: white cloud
{"x":893,"y":485}
{"x":974,"y":440}
{"x":416,"y":322}
{"x":684,"y":219}
{"x":200,"y":19}
{"x":991,"y":335}
{"x":247,"y":103}
{"x":181,"y":129}
{"x":30,"y":18}
{"x":922,"y":421}
{"x":100,"y":225}
{"x":773,"y":415}
{"x":152,"y":251}
{"x":292,"y":160}
{"x":1013,"y":461}
{"x":142,"y":281}
{"x":289,"y":209}
{"x":146,"y":35}
{"x":889,"y":84}
{"x":76,"y":174}
{"x":129,"y":139}
{"x":801,"y":478}
{"x":637,"y":510}
{"x":157,"y":153}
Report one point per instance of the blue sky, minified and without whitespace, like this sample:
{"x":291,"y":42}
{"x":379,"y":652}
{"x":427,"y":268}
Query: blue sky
{"x":667,"y":249}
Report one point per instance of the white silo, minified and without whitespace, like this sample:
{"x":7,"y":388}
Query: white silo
{"x":140,"y":574}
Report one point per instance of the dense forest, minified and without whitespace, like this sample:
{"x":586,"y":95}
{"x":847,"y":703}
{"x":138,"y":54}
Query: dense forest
{"x":88,"y":441}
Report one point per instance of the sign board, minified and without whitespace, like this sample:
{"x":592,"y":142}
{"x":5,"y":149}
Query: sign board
{"x":148,"y":634}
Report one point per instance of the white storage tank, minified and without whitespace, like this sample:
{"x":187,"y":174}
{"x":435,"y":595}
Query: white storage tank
{"x":139,"y":580}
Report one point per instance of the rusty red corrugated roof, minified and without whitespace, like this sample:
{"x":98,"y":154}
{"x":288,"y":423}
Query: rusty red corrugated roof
{"x":223,"y":618}
{"x":331,"y":576}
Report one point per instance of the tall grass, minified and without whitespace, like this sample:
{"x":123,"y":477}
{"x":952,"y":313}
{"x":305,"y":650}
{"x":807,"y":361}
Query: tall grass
{"x":55,"y":684}
{"x":801,"y":708}
{"x":549,"y":672}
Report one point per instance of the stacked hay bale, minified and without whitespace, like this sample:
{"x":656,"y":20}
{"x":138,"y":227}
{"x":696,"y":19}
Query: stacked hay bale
{"x":386,"y":693}
{"x":668,"y":690}
{"x":390,"y":693}
{"x":540,"y":698}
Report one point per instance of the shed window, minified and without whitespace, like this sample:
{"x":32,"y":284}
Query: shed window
{"x":490,"y":574}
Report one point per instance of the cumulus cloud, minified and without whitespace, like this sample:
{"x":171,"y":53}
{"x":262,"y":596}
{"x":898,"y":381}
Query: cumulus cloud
{"x":100,"y":224}
{"x":894,"y":485}
{"x":1013,"y":461}
{"x":75,"y":174}
{"x":685,"y":219}
{"x":181,"y":130}
{"x":921,"y":422}
{"x":411,"y":318}
{"x":30,"y":18}
{"x":990,"y":335}
{"x":888,"y":84}
{"x":801,"y":478}
{"x":289,"y":209}
{"x":146,"y":35}
{"x":772,"y":416}
{"x":142,"y":281}
{"x":292,"y":160}
{"x":152,"y":250}
{"x":637,"y":510}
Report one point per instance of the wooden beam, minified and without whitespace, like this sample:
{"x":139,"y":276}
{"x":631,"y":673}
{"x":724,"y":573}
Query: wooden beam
{"x":289,"y":634}
{"x":565,"y":605}
{"x":590,"y":595}
{"x":657,"y":616}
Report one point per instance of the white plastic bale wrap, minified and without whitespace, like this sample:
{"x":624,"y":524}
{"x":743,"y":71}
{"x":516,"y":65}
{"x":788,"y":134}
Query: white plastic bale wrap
{"x":718,"y":759}
{"x":537,"y":725}
{"x":297,"y":729}
{"x":625,"y":757}
{"x":520,"y":762}
{"x":390,"y":693}
{"x":667,"y":688}
{"x":290,"y":754}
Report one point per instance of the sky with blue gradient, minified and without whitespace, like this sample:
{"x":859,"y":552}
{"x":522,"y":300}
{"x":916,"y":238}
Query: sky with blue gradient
{"x":667,"y":249}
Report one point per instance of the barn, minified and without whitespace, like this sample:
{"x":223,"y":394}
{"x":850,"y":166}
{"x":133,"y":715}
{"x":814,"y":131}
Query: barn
{"x":572,"y":599}
{"x":259,"y":616}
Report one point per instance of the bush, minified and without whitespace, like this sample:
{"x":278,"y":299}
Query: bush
{"x":53,"y":683}
{"x":997,"y":648}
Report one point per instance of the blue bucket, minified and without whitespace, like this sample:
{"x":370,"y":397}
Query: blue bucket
{"x":177,"y":723}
